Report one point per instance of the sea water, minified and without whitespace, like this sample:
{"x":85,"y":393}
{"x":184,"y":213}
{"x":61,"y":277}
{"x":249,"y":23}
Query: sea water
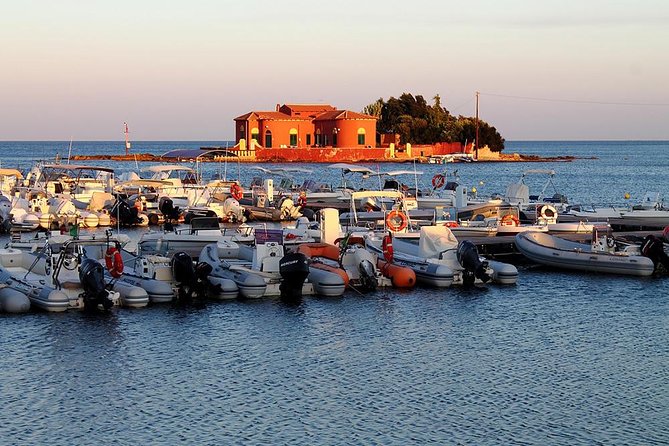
{"x":559,"y":358}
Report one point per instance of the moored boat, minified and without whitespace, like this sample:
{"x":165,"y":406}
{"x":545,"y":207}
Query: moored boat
{"x":602,"y":255}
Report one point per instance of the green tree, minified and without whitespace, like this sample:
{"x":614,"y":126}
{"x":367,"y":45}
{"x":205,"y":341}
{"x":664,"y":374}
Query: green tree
{"x":418,"y":122}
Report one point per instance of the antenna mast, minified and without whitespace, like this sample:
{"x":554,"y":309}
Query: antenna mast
{"x":127,"y":139}
{"x":476,"y":141}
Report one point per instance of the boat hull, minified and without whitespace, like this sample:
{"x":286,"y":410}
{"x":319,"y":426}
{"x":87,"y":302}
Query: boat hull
{"x":552,"y":251}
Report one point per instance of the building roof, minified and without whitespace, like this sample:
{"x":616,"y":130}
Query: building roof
{"x":342,"y":114}
{"x":304,"y":112}
{"x":273,"y":115}
{"x":309,"y":107}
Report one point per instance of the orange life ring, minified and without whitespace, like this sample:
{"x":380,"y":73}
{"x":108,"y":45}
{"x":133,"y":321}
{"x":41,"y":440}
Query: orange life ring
{"x":451,"y":224}
{"x":114,"y":262}
{"x":438,"y":181}
{"x":387,"y":245}
{"x":302,"y":199}
{"x":396,"y":220}
{"x":509,"y":220}
{"x":236,"y":191}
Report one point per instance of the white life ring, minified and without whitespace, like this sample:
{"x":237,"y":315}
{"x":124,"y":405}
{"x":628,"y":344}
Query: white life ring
{"x":548,"y":212}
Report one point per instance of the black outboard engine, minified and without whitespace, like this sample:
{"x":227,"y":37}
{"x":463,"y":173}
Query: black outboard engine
{"x":183,"y":273}
{"x":653,"y":248}
{"x":468,"y":256}
{"x":294,"y":269}
{"x":92,"y":278}
{"x":167,"y":208}
{"x":127,"y":215}
{"x":368,"y":281}
{"x":309,"y":213}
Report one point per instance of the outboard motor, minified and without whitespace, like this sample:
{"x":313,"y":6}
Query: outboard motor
{"x":184,"y":275}
{"x":308,"y":213}
{"x":653,"y":248}
{"x":294,"y":270}
{"x":368,"y":281}
{"x":5,"y":215}
{"x":468,"y":256}
{"x":127,"y":215}
{"x":92,"y":278}
{"x":167,"y":208}
{"x":233,"y":210}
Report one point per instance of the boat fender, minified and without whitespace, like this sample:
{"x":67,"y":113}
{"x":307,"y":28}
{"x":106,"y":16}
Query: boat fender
{"x":438,"y":181}
{"x":114,"y":262}
{"x":510,"y":220}
{"x":236,"y":191}
{"x":396,"y":220}
{"x":665,"y":234}
{"x":387,"y":245}
{"x":302,"y":199}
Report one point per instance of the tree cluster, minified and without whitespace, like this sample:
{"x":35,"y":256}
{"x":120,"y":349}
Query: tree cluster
{"x":418,"y":122}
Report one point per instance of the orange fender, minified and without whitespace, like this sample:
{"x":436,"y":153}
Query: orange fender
{"x":400,"y":276}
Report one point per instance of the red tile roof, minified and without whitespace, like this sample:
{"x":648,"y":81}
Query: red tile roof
{"x":342,"y":114}
{"x":309,"y":107}
{"x":325,"y":113}
{"x":273,"y":115}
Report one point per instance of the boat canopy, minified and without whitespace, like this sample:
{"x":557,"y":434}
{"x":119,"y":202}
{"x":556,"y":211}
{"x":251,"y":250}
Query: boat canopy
{"x":351,"y":168}
{"x":394,"y":173}
{"x":199,"y":153}
{"x":11,"y":173}
{"x":166,"y":168}
{"x":75,"y":167}
{"x":282,"y":170}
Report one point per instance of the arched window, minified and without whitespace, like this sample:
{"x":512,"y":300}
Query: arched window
{"x":242,"y":131}
{"x":293,"y":137}
{"x":255,"y":133}
{"x":361,"y":136}
{"x":268,"y":139}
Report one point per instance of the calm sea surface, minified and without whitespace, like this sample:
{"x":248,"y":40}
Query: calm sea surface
{"x":559,"y":358}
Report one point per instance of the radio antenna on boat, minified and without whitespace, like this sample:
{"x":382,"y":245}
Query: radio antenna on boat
{"x":69,"y":152}
{"x":127,"y":139}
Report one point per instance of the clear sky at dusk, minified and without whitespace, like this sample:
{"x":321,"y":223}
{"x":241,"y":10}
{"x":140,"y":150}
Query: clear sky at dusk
{"x":182,"y":70}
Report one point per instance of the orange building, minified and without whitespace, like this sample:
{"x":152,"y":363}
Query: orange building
{"x":306,"y":125}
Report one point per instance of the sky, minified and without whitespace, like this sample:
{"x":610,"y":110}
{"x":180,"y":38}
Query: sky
{"x":183,"y":70}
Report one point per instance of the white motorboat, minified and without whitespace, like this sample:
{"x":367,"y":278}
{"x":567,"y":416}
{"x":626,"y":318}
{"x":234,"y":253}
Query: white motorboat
{"x":201,"y":232}
{"x":603,"y":255}
{"x":436,"y":245}
{"x":518,"y":194}
{"x":64,"y":272}
{"x":265,"y":270}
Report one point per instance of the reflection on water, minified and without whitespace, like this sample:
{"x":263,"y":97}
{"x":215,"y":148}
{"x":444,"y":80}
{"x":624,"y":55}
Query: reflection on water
{"x":560,"y":358}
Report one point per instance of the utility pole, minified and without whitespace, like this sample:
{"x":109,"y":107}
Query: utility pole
{"x":476,"y":141}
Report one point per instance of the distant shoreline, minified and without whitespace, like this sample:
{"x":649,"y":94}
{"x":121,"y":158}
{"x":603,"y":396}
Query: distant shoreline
{"x":148,"y":157}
